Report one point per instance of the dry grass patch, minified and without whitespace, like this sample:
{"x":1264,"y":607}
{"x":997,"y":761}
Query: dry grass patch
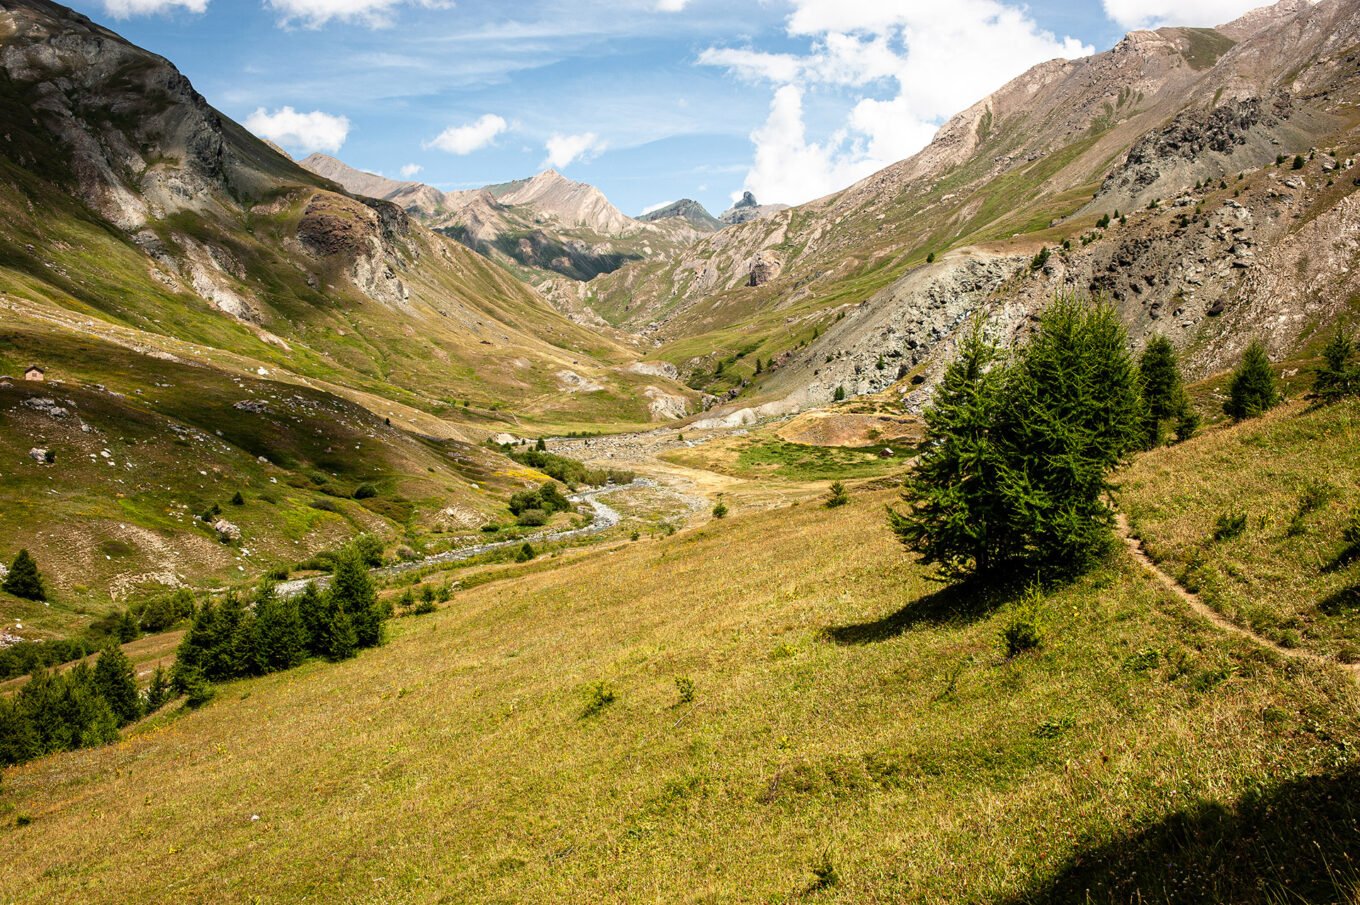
{"x":843,"y":712}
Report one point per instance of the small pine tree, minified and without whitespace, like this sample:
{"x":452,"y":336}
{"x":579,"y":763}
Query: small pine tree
{"x":1339,"y":375}
{"x":525,"y":553}
{"x":280,"y":637}
{"x":158,"y":692}
{"x":333,"y":635}
{"x":1163,"y":393}
{"x":837,"y":496}
{"x":353,"y":590}
{"x":1298,"y":161}
{"x":24,"y":580}
{"x":930,"y":258}
{"x":116,"y":683}
{"x":839,"y":395}
{"x":128,"y":627}
{"x":237,"y":499}
{"x":541,"y":446}
{"x":720,"y":510}
{"x":1254,"y":388}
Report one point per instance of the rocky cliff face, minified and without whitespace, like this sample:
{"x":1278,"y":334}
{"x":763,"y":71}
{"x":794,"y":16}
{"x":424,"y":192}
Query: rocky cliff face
{"x":748,"y":209}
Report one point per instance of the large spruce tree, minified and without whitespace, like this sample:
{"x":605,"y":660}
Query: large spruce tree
{"x":1018,"y":455}
{"x":279,"y":634}
{"x":956,"y":520}
{"x":353,"y":590}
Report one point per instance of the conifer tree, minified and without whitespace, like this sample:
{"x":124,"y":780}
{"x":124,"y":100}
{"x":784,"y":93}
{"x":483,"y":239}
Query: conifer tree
{"x":334,"y":636}
{"x":353,"y":590}
{"x":956,"y":521}
{"x":1254,"y":387}
{"x":1339,"y":375}
{"x":1164,"y":394}
{"x":158,"y":692}
{"x":116,"y":683}
{"x":24,"y":580}
{"x":280,"y":638}
{"x":1071,"y":414}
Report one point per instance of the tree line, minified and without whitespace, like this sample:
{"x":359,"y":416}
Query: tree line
{"x":1020,"y":444}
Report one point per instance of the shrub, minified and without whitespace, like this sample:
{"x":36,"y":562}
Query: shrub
{"x":684,"y":686}
{"x":839,"y":395}
{"x":237,"y":499}
{"x":365,"y":492}
{"x":491,"y":528}
{"x":720,"y":510}
{"x":1039,"y":260}
{"x":1298,"y":162}
{"x":325,"y":505}
{"x":930,"y":258}
{"x":1021,"y":632}
{"x":1254,"y":387}
{"x":532,"y":518}
{"x":1230,"y":525}
{"x":369,"y":548}
{"x":162,"y":613}
{"x":598,"y":696}
{"x":837,"y":495}
{"x":24,"y":580}
{"x":525,"y":553}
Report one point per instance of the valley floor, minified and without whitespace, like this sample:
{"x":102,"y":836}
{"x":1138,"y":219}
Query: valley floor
{"x":855,"y":733}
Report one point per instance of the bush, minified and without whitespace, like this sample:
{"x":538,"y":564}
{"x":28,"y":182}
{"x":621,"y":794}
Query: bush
{"x":162,"y":613}
{"x":546,"y":499}
{"x":684,"y":686}
{"x":324,"y":505}
{"x":24,"y":580}
{"x":29,"y":656}
{"x":720,"y":510}
{"x":1018,"y":452}
{"x":1254,"y":387}
{"x":1230,"y":525}
{"x":369,"y":548}
{"x":532,"y":518}
{"x":365,"y":492}
{"x":839,"y":395}
{"x":525,"y":553}
{"x":598,"y":697}
{"x":1022,"y":631}
{"x":1039,"y":260}
{"x":1298,"y":162}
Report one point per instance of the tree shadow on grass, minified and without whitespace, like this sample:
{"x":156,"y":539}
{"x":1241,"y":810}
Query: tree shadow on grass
{"x":1346,"y":600}
{"x":1343,"y":559}
{"x":952,"y":604}
{"x":1298,"y":841}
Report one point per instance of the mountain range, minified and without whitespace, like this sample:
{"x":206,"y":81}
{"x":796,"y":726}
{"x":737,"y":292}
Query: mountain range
{"x":1202,"y":179}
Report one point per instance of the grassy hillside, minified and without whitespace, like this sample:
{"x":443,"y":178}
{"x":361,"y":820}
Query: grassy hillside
{"x":856,"y":734}
{"x":1294,"y":476}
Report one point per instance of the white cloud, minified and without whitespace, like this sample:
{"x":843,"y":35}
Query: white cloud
{"x":471,"y":137}
{"x":1156,"y":13}
{"x":122,"y":9}
{"x":656,"y":207}
{"x":941,"y":57}
{"x":316,"y":13}
{"x":304,"y":132}
{"x":410,"y":170}
{"x":671,"y":6}
{"x":563,"y":150}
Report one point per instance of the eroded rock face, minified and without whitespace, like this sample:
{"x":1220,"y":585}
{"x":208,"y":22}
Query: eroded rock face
{"x":361,"y":236}
{"x":763,"y":268}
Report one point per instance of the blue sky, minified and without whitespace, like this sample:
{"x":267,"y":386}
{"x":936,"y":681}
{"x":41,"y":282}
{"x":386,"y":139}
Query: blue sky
{"x":651,"y":100}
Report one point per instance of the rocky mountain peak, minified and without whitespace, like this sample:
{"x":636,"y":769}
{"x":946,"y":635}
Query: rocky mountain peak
{"x":686,"y":209}
{"x":748,"y":209}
